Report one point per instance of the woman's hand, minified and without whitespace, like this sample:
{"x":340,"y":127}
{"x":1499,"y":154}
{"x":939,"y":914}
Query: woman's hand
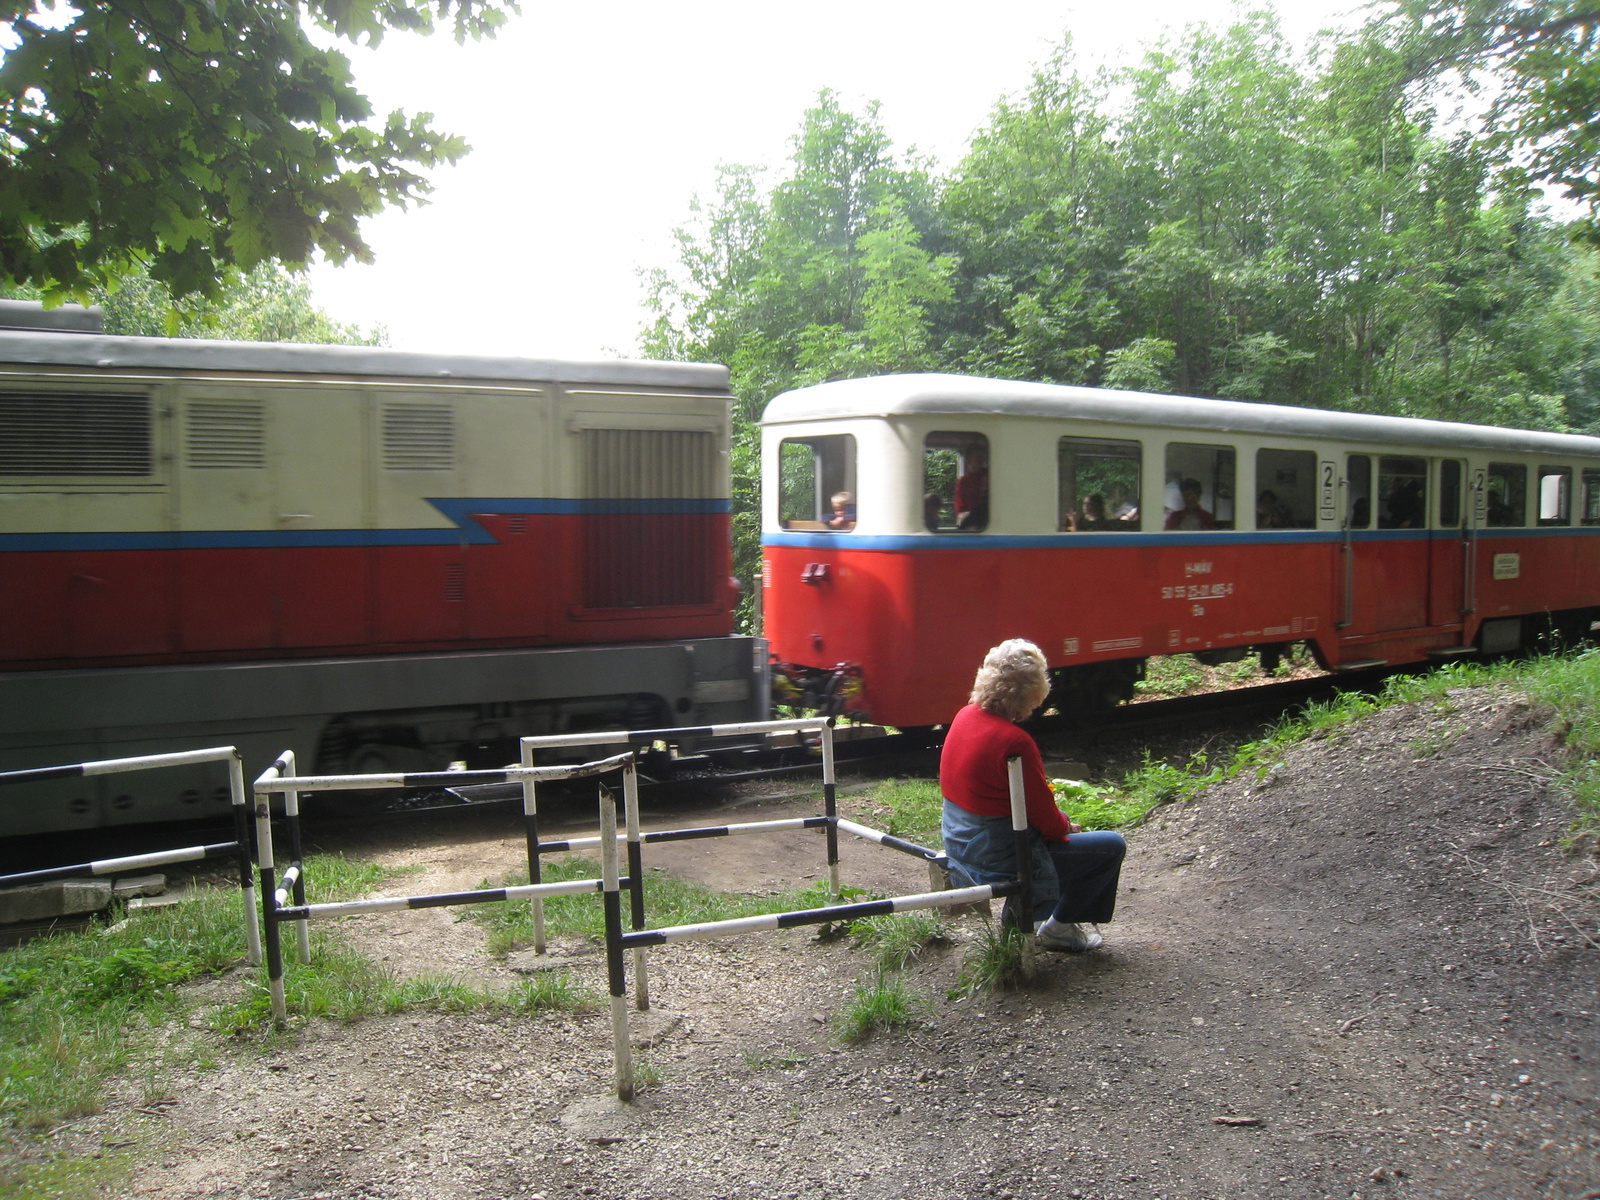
{"x":1073,"y":826}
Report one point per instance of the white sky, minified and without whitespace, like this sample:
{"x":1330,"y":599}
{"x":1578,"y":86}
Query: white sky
{"x":593,"y":126}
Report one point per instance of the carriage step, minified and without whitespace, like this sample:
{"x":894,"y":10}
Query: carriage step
{"x":1362,"y":664}
{"x":1451,"y":652}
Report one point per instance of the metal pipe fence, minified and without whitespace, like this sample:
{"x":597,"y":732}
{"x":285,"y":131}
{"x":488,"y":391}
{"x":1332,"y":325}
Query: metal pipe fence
{"x":239,"y":847}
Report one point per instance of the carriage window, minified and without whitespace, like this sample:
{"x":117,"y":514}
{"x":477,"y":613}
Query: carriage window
{"x":1555,"y":496}
{"x":1199,"y":486}
{"x":1358,"y":486}
{"x":817,"y":483}
{"x":955,"y":482}
{"x":1508,"y":494}
{"x":1449,"y":493}
{"x":1097,"y":483}
{"x":1591,"y":497}
{"x":1402,"y":492}
{"x":1286,"y":482}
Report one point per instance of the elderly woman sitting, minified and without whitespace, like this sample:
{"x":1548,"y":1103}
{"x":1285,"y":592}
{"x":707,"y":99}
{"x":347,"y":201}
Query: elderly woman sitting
{"x":1074,"y":873}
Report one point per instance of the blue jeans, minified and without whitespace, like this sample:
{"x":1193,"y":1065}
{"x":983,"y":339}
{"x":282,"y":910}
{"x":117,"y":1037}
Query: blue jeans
{"x":1072,"y":881}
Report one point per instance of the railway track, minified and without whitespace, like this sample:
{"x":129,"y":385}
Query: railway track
{"x":714,"y":778}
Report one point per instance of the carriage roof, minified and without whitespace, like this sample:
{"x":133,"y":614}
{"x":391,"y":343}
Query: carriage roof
{"x":963,"y":396}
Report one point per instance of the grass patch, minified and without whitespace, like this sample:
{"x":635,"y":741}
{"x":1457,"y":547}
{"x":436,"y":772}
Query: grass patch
{"x":993,"y":963}
{"x":552,"y":991}
{"x":910,"y":809}
{"x":899,"y":939}
{"x":879,"y":1006}
{"x":76,"y":1007}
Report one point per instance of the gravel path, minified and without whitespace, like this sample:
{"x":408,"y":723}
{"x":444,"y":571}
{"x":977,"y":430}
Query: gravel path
{"x":1371,"y":973}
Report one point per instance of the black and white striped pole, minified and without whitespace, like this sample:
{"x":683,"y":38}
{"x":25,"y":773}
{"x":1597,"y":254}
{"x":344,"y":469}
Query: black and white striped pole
{"x":269,"y":893}
{"x":241,"y":837}
{"x":830,"y":802}
{"x":630,"y":808}
{"x":530,"y":824}
{"x":292,"y":887}
{"x":622,"y":1044}
{"x":1019,"y":833}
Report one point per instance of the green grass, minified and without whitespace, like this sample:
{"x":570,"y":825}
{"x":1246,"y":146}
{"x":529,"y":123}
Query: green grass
{"x":898,"y":939}
{"x":74,"y":1007}
{"x":993,"y":963}
{"x":907,"y":808}
{"x":881,"y":1005}
{"x":552,"y":991}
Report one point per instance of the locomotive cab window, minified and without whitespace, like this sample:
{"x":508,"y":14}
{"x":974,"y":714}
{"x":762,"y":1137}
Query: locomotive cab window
{"x":1286,"y":489}
{"x":1402,"y":492}
{"x":1555,"y":495}
{"x":955,"y":482}
{"x":1591,"y":497}
{"x":1507,"y":489}
{"x":1199,"y":486}
{"x":817,"y":483}
{"x":1098,"y":485}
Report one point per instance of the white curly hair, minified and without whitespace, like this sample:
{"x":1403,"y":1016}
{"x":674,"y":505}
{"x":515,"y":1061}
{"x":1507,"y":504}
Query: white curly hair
{"x":1013,"y":680}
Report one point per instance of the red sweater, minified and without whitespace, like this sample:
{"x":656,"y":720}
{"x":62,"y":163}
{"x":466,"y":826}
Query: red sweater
{"x":972,"y":771}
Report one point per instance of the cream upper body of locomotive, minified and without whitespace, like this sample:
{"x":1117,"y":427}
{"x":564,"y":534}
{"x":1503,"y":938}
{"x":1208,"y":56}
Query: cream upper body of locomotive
{"x":224,"y":435}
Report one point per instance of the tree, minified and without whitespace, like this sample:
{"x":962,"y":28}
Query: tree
{"x":1543,"y":56}
{"x":195,"y":138}
{"x":268,"y":304}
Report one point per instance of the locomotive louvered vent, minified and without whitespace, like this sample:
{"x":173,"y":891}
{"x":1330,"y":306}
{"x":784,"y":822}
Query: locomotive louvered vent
{"x":225,"y":435}
{"x":63,"y":433}
{"x":419,"y":437}
{"x":645,"y":548}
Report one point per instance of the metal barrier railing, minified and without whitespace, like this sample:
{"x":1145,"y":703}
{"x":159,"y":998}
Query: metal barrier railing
{"x":284,"y":899}
{"x":239,"y":847}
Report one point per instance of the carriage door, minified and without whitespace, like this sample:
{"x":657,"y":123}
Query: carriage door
{"x":1449,"y":546}
{"x":1402,"y":544}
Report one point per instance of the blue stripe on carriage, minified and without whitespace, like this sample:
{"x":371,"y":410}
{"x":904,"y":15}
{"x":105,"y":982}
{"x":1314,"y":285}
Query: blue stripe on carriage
{"x":1092,"y":541}
{"x":460,"y":512}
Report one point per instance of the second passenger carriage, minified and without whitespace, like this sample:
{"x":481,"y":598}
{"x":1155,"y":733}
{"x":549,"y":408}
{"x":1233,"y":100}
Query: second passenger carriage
{"x":910,"y":522}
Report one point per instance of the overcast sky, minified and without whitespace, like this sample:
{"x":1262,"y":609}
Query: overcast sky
{"x":593,"y":126}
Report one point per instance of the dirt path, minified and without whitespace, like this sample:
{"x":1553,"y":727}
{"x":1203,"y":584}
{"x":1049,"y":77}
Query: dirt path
{"x":1349,"y":978}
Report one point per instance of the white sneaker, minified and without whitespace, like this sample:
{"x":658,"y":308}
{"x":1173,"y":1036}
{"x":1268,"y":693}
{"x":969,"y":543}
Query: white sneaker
{"x":1066,"y":936}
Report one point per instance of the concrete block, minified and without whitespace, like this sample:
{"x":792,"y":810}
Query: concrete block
{"x":57,"y":898}
{"x":138,"y":885}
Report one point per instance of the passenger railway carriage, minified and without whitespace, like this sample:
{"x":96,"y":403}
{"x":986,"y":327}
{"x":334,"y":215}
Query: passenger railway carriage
{"x":1114,"y":526}
{"x":384,"y":560}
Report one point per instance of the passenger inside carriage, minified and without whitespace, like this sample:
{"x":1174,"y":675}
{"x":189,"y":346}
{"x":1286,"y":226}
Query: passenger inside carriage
{"x":1191,"y":515}
{"x":844,"y":511}
{"x":1092,"y":516}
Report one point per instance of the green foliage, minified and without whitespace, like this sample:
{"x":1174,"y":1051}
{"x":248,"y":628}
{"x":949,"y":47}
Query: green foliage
{"x":1543,"y":60}
{"x":1222,"y":217}
{"x":266,"y":304}
{"x":1096,"y":806}
{"x":199,"y":137}
{"x":880,"y":1006}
